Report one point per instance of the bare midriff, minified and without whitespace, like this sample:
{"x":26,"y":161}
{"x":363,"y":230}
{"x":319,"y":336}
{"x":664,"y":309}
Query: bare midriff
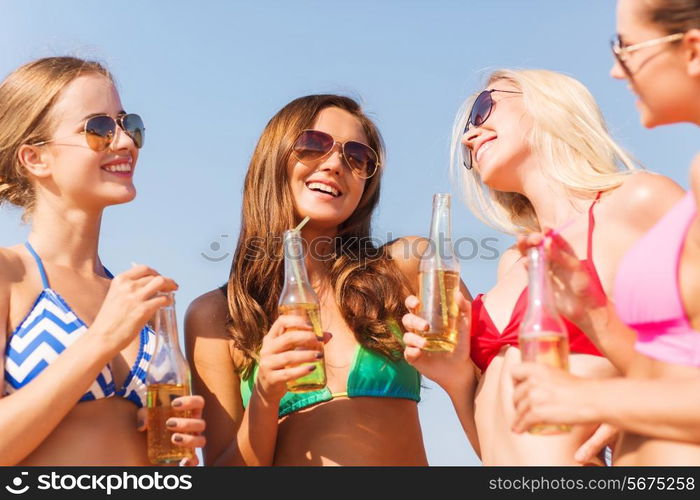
{"x":494,"y":415}
{"x":101,"y":432}
{"x":352,"y":431}
{"x":635,"y":449}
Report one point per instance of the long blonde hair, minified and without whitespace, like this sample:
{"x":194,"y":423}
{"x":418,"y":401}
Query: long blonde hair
{"x":27,"y":96}
{"x":369,"y":288}
{"x":568,"y":135}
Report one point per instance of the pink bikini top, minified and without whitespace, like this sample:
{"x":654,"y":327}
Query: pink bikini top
{"x":647,"y":295}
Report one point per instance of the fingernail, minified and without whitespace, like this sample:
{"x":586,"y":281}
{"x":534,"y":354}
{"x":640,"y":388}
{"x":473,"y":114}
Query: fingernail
{"x":170,"y":422}
{"x":177,"y":438}
{"x":140,"y":424}
{"x":177,"y":403}
{"x":312,"y":368}
{"x":319,"y":355}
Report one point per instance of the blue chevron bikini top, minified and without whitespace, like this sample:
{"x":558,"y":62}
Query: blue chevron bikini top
{"x":49,"y":328}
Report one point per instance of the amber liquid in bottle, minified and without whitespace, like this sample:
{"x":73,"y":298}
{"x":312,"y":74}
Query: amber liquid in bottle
{"x":543,"y":336}
{"x":161,"y":449}
{"x":316,"y":379}
{"x":439,"y":281}
{"x":552,"y":350}
{"x":438,"y":296}
{"x":167,"y":378}
{"x":299,"y":298}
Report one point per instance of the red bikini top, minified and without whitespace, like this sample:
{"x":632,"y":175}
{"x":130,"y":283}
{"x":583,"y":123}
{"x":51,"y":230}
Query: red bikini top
{"x":487,"y":341}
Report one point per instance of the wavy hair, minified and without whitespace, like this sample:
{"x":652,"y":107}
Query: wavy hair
{"x":368,"y":287}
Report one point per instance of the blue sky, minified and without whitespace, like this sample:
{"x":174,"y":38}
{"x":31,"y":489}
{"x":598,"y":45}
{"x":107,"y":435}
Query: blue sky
{"x":207,"y":76}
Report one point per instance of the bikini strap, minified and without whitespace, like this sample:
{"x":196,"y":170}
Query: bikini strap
{"x":40,"y":265}
{"x":591,"y":226}
{"x":109,"y":275}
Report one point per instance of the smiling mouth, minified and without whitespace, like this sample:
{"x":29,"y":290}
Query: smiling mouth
{"x":320,"y":187}
{"x":122,"y":169}
{"x":483,"y":148}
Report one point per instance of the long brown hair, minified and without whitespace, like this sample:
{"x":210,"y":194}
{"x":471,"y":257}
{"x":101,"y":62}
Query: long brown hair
{"x":368,"y":287}
{"x":27,"y":96}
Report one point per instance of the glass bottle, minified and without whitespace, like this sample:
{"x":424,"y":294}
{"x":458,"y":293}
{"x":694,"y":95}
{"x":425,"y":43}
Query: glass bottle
{"x":168,"y":377}
{"x":439,"y":280}
{"x":543,"y":336}
{"x":299,"y":298}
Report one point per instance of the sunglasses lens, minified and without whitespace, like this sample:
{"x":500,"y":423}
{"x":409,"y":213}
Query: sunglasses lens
{"x":133,"y":126}
{"x":467,"y":156}
{"x":99,"y":132}
{"x":312,"y":145}
{"x":616,"y":47}
{"x":481,"y":109}
{"x":361,"y":158}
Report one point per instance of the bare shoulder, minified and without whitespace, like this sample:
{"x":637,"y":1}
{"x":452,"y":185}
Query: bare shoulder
{"x":406,"y":253}
{"x":13,"y":270}
{"x":643,"y":198}
{"x":207,"y":335}
{"x":12,"y":266}
{"x":207,"y":313}
{"x":507,"y":260}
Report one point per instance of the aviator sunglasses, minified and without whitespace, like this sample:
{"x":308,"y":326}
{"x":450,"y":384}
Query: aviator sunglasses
{"x":622,"y":51}
{"x":481,"y":110}
{"x":313,"y":145}
{"x":101,"y":130}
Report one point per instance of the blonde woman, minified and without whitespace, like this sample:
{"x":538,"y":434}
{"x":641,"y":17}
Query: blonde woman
{"x":653,"y":323}
{"x":532,"y":151}
{"x":74,"y":341}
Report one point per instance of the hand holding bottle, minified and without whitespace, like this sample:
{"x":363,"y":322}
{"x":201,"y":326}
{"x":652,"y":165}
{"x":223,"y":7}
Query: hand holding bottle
{"x":186,"y":431}
{"x":576,"y":292}
{"x":132,"y":299}
{"x":450,"y":370}
{"x":298,"y":298}
{"x":169,"y":395}
{"x":289,"y":351}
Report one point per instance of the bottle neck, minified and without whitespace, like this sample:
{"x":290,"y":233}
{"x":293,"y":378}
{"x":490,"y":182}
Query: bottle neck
{"x":166,"y":326}
{"x":440,"y":255}
{"x":540,"y":295}
{"x":441,"y":225}
{"x":294,"y":264}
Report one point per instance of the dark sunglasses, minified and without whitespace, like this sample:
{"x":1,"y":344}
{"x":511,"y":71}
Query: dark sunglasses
{"x":313,"y":145}
{"x":480,"y":112}
{"x":101,"y":130}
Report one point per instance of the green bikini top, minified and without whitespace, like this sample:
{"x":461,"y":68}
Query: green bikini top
{"x":371,"y":375}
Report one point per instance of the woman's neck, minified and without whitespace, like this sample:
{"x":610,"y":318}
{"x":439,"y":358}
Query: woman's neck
{"x":554,"y":206}
{"x":67,"y":237}
{"x":320,"y":247}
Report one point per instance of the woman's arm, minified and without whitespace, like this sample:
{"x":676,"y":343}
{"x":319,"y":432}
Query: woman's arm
{"x":630,"y":212}
{"x":29,"y":415}
{"x":454,"y":371}
{"x":665,"y":408}
{"x":235,"y":436}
